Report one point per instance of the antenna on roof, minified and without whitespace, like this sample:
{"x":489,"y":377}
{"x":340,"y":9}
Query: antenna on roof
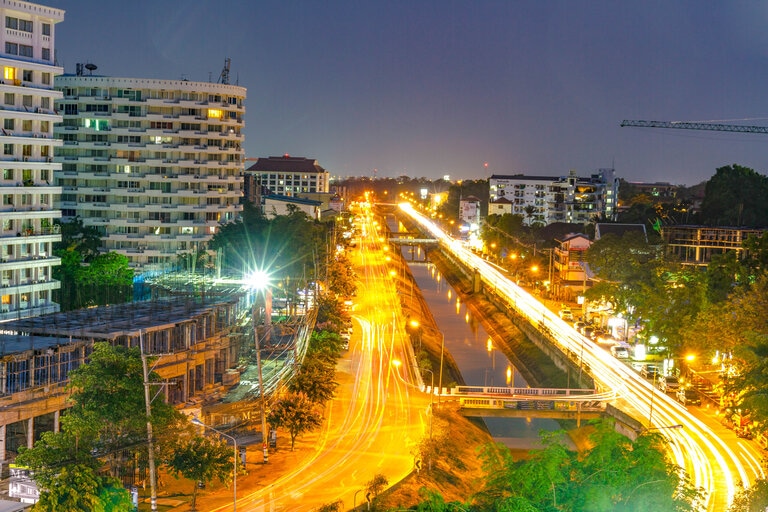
{"x":224,"y":77}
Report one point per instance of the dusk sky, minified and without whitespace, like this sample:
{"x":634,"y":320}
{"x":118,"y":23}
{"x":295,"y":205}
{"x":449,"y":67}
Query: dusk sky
{"x":434,"y":87}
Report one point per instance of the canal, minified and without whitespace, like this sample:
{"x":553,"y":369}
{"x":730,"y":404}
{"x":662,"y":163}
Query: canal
{"x":476,"y":355}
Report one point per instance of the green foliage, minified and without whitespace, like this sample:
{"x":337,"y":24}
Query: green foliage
{"x":107,"y":417}
{"x":287,"y":245}
{"x":201,"y":459}
{"x":296,"y":413}
{"x":108,"y":400}
{"x":87,"y":276}
{"x":340,"y":278}
{"x":315,"y":379}
{"x":615,"y":474}
{"x":68,"y":477}
{"x":735,"y":196}
{"x":752,"y":499}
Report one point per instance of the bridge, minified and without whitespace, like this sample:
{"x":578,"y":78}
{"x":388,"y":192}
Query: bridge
{"x":559,"y":403}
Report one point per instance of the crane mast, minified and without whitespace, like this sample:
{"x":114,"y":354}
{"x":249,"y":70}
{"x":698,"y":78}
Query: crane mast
{"x":686,"y":125}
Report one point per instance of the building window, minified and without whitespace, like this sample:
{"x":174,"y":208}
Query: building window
{"x":25,"y":51}
{"x":27,"y":76}
{"x":46,"y":77}
{"x":26,"y":100}
{"x":8,"y":124}
{"x":11,"y":48}
{"x":9,"y":73}
{"x":25,"y":25}
{"x":45,"y":102}
{"x":214,"y":113}
{"x":8,"y":149}
{"x":10,"y":98}
{"x":26,"y":125}
{"x":46,"y":29}
{"x":11,"y":22}
{"x":46,"y":54}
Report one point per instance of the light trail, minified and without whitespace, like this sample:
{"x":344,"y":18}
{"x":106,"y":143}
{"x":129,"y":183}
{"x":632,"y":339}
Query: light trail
{"x":709,"y":462}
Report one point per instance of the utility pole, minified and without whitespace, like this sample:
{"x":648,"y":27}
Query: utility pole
{"x":150,"y":446}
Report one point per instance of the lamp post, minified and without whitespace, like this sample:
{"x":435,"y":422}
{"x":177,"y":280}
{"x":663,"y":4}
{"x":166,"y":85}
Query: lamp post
{"x":431,"y":398}
{"x":260,"y":280}
{"x":415,"y":325}
{"x":199,"y":423}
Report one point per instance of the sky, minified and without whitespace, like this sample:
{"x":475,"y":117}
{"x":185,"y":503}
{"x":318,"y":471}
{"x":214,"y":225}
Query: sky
{"x":428,"y":88}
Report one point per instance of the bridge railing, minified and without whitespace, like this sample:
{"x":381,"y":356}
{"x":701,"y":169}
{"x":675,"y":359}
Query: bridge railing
{"x":508,"y":391}
{"x":532,"y":405}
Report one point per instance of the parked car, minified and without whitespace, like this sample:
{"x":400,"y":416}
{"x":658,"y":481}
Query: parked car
{"x":688,"y":396}
{"x":669,"y":383}
{"x":649,"y":371}
{"x":566,"y":314}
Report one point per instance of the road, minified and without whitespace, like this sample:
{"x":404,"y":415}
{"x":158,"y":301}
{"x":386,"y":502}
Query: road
{"x":714,"y":464}
{"x":374,"y":424}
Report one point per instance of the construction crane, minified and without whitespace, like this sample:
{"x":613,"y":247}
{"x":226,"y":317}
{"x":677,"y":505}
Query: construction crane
{"x":687,"y":125}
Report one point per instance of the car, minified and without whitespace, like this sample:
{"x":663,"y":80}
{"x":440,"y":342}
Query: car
{"x":566,"y":314}
{"x":669,"y":383}
{"x":649,"y":371}
{"x":620,"y":351}
{"x":579,"y":326}
{"x":688,"y":396}
{"x":604,"y":338}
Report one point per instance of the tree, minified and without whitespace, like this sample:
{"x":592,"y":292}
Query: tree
{"x":315,"y":379}
{"x":108,"y":276}
{"x":296,"y":413}
{"x":735,"y":196}
{"x":108,"y":403}
{"x":67,"y":474}
{"x":615,"y":474}
{"x":752,"y":499}
{"x":201,"y":459}
{"x":375,"y":486}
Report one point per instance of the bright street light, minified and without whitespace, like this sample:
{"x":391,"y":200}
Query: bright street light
{"x":259,"y":280}
{"x":199,"y":423}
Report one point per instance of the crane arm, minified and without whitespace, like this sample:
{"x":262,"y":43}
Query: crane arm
{"x":684,"y":125}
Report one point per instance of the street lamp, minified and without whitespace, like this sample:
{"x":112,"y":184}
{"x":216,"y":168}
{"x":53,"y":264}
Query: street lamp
{"x":199,"y":423}
{"x":259,"y":280}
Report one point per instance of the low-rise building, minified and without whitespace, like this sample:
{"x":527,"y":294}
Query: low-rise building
{"x":285,"y":176}
{"x":274,"y":205}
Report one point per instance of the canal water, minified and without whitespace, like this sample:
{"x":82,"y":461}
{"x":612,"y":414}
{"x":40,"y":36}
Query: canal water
{"x":476,"y":355}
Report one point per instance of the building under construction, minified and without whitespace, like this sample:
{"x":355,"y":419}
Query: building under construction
{"x":197,"y":344}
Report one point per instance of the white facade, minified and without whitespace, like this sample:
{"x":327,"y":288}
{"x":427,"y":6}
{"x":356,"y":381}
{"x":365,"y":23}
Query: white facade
{"x":27,"y":120}
{"x":546,"y":199}
{"x":155,"y":165}
{"x":283,"y":205}
{"x":289,"y":176}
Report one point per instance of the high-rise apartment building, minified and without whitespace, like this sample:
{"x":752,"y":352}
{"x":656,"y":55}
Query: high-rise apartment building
{"x":155,"y":165}
{"x":548,"y":199}
{"x":27,"y":119}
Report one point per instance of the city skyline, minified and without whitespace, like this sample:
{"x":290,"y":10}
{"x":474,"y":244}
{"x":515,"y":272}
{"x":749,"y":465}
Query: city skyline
{"x":441,"y":88}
